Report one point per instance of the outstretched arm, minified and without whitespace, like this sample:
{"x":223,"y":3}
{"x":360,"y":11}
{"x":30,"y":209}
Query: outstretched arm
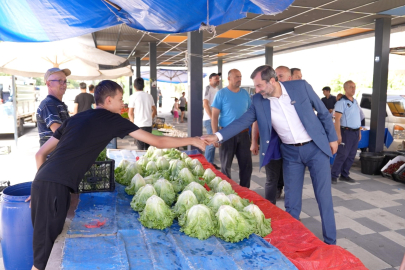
{"x":167,"y":142}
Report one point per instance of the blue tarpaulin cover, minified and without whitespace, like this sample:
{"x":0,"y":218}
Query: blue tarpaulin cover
{"x":51,"y":20}
{"x":132,"y":246}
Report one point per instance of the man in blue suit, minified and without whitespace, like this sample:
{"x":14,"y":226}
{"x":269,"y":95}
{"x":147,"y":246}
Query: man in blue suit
{"x":307,"y":140}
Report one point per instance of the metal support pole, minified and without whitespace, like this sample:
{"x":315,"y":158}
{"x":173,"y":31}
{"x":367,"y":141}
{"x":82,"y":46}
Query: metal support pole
{"x":130,"y":85}
{"x":380,"y":81}
{"x":14,"y":109}
{"x":153,"y":71}
{"x":195,"y":83}
{"x":138,"y":67}
{"x":220,"y":62}
{"x":269,"y":55}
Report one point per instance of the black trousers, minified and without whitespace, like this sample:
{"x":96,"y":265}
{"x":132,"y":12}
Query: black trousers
{"x":50,"y":203}
{"x":140,"y":144}
{"x":238,"y":145}
{"x":273,"y":172}
{"x":280,"y":184}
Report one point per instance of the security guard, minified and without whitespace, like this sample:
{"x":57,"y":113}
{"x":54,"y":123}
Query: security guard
{"x":347,"y":126}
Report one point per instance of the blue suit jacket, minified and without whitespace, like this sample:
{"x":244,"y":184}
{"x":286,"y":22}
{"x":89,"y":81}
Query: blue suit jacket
{"x":319,"y":127}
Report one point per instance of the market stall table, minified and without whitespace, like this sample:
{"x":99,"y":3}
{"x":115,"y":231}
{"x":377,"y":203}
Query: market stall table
{"x":105,"y":233}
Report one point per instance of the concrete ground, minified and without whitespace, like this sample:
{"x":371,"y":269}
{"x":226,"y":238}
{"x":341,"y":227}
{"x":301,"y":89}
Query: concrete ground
{"x":370,"y":214}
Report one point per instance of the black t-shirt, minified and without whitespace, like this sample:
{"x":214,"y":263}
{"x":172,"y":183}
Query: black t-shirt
{"x":329,"y":102}
{"x":84,"y":100}
{"x":81,"y":139}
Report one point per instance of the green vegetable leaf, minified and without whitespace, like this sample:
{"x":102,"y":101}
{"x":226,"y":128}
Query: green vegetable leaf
{"x":224,"y":187}
{"x":184,"y":202}
{"x":198,"y":222}
{"x":233,"y":227}
{"x":199,"y":191}
{"x":217,"y":201}
{"x":262,"y":226}
{"x":136,"y":183}
{"x":165,"y":190}
{"x":156,"y":215}
{"x":139,"y":200}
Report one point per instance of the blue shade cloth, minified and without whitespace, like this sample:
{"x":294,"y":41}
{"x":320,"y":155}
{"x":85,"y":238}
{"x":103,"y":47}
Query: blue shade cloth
{"x":51,"y":20}
{"x":136,"y":247}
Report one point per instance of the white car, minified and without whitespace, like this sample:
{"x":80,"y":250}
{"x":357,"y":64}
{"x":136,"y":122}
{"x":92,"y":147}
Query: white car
{"x":395,"y":116}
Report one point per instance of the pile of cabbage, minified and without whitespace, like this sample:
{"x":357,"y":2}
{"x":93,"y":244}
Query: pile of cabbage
{"x":167,"y":184}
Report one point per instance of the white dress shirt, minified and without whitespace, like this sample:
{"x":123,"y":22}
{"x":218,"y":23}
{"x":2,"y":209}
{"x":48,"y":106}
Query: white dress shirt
{"x":285,"y":120}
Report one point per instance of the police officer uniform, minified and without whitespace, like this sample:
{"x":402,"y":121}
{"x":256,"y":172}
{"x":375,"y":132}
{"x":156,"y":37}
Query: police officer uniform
{"x":350,"y":123}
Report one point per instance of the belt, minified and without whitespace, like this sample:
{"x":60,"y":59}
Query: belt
{"x":300,"y":144}
{"x":352,"y":129}
{"x":245,"y":130}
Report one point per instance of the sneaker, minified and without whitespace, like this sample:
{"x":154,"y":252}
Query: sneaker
{"x":347,"y":179}
{"x":279,"y":192}
{"x":215,"y":166}
{"x":334,"y":180}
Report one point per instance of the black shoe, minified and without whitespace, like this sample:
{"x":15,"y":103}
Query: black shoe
{"x":279,"y":192}
{"x":347,"y":179}
{"x":215,"y":166}
{"x":334,"y":180}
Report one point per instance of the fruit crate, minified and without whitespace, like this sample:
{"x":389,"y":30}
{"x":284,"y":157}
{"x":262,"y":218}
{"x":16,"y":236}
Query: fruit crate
{"x":99,"y":178}
{"x":392,"y":161}
{"x":399,"y":175}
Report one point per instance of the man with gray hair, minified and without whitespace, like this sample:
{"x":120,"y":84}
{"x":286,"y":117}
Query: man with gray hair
{"x":307,"y":140}
{"x":52,"y":112}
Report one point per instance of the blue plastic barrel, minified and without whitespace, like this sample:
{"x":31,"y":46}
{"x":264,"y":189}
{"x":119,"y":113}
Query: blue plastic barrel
{"x":16,"y":227}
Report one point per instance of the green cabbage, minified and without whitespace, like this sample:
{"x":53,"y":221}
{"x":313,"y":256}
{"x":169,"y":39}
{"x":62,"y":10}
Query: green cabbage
{"x":198,"y":222}
{"x":176,"y":166}
{"x":224,"y":187}
{"x":234,"y":226}
{"x":237,"y":202}
{"x":199,"y":191}
{"x":139,"y":200}
{"x":183,"y":156}
{"x":120,"y":170}
{"x":208,"y":175}
{"x":150,"y":151}
{"x":156,"y":154}
{"x":188,"y":161}
{"x":194,"y":163}
{"x":198,"y":170}
{"x":165,"y":190}
{"x":136,"y":183}
{"x":151,"y":168}
{"x":142,"y":161}
{"x":156,"y":215}
{"x":162,"y":164}
{"x":172,"y":154}
{"x":214,"y":182}
{"x":219,"y":199}
{"x":123,"y":164}
{"x":184,"y":202}
{"x":151,"y":179}
{"x":186,"y":176}
{"x":262,"y":225}
{"x":130,"y":172}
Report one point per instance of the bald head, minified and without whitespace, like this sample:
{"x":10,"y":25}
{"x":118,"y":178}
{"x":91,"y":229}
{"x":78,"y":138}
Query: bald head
{"x":283,"y":73}
{"x":235,"y":79}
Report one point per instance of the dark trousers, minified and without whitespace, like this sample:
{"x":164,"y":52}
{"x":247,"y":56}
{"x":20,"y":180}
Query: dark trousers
{"x":273,"y":172}
{"x":295,"y":159}
{"x":140,"y":144}
{"x":280,"y":183}
{"x":238,"y":145}
{"x":346,"y":153}
{"x":50,"y":203}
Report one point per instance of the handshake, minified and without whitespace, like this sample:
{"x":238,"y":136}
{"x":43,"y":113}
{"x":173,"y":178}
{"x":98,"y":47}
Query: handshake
{"x":205,"y":140}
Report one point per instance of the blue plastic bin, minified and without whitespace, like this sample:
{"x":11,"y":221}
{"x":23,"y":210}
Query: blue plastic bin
{"x":16,"y":227}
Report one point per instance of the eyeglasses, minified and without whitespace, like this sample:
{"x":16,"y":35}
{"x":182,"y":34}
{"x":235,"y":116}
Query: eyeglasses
{"x":61,"y":82}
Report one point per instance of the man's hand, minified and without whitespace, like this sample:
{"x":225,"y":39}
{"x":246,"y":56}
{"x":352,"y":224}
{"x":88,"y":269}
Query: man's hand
{"x":334,"y":147}
{"x":360,"y":135}
{"x":330,"y":110}
{"x":254,"y":148}
{"x":339,"y":141}
{"x":210,"y":139}
{"x":200,"y":143}
{"x":28,"y":200}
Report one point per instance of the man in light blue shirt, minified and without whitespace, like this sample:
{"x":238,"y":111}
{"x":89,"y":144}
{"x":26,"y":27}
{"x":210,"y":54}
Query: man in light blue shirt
{"x":347,"y":126}
{"x":229,"y":104}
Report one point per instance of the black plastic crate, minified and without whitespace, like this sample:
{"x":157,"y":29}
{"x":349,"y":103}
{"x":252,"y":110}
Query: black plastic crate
{"x":398,"y":175}
{"x":4,"y":185}
{"x":99,"y":178}
{"x":159,"y":122}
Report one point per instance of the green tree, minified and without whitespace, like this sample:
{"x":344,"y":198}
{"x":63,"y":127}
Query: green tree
{"x":336,"y":85}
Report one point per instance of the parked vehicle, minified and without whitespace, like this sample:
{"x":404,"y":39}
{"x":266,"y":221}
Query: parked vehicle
{"x":395,"y":116}
{"x":25,"y":100}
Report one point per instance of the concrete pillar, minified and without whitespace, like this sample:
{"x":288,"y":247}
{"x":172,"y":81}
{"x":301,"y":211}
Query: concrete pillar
{"x":138,"y":67}
{"x":380,"y":81}
{"x":269,"y":55}
{"x":153,"y":71}
{"x":220,"y":62}
{"x":195,"y":83}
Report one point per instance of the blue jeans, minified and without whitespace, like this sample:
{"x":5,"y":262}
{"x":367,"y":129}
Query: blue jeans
{"x":209,"y":149}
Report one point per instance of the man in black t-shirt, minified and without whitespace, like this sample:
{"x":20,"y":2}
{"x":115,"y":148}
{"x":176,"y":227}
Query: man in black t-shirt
{"x":83,"y":101}
{"x":75,"y":146}
{"x":328,"y":100}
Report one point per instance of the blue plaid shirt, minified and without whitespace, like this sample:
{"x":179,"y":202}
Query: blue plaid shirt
{"x":51,"y":110}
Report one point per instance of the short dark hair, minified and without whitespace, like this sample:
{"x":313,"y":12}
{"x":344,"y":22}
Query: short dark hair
{"x":267,"y":72}
{"x":106,"y":89}
{"x":214,"y":75}
{"x":83,"y":85}
{"x":327,"y":88}
{"x":91,"y":88}
{"x":139,"y":84}
{"x":293,"y":70}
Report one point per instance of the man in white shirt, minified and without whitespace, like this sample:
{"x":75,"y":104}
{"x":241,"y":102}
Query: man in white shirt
{"x":142,"y":110}
{"x":307,"y":140}
{"x":209,"y":95}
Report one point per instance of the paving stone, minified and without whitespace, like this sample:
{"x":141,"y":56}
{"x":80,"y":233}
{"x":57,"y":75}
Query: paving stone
{"x":371,"y":185}
{"x":369,"y":223}
{"x":396,"y":210}
{"x":310,"y":207}
{"x":344,"y":187}
{"x":345,"y":234}
{"x":402,"y":231}
{"x":314,"y":226}
{"x":354,"y":205}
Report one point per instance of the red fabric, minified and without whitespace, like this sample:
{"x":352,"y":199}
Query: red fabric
{"x":291,"y":237}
